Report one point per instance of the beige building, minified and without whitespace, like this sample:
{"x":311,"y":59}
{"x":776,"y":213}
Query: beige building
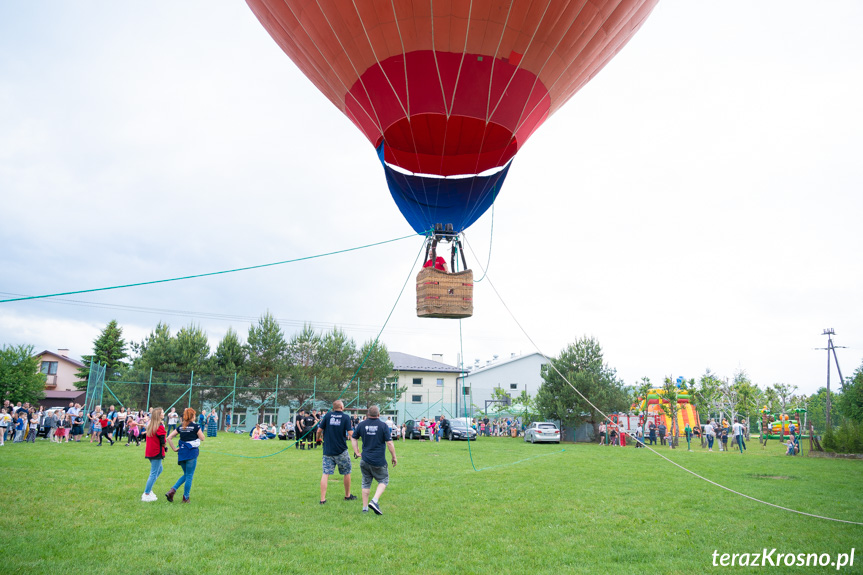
{"x":430,"y":384}
{"x":61,"y":373}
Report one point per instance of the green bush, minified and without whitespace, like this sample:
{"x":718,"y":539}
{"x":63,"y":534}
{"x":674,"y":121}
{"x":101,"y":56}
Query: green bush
{"x":847,"y":438}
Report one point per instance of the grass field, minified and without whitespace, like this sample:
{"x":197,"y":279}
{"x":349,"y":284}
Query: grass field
{"x":587,"y":509}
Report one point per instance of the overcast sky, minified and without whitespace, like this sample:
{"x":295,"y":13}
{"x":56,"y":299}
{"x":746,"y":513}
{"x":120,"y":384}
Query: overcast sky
{"x":698,"y":205}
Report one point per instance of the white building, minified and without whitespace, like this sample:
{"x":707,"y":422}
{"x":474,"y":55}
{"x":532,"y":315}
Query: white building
{"x":515,"y":374}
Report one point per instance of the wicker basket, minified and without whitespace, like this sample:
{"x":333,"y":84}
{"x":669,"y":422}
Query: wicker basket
{"x":440,"y":294}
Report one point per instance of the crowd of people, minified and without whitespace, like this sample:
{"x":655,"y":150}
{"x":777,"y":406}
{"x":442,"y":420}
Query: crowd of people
{"x":649,"y":432}
{"x":435,"y":429}
{"x":24,"y":423}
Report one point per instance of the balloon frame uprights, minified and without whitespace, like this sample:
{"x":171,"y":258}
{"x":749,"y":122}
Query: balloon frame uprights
{"x":446,"y":234}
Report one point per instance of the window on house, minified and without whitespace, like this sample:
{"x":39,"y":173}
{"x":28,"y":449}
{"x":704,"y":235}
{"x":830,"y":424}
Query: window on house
{"x":418,"y":381}
{"x":513,"y":386}
{"x":465,"y":390}
{"x":417,"y":398}
{"x":440,"y":382}
{"x":49,"y":367}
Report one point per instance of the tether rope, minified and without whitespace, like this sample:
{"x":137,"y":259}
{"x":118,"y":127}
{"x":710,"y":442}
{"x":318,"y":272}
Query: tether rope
{"x":488,"y":261}
{"x":469,"y":450}
{"x":551,"y":363}
{"x":372,"y":347}
{"x":210,"y":273}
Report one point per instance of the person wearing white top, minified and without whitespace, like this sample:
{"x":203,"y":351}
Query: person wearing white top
{"x":5,"y":422}
{"x":738,"y":435}
{"x":710,"y":433}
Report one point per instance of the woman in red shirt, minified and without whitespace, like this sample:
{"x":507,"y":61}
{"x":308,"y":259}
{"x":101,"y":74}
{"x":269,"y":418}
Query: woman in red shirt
{"x":154,"y":451}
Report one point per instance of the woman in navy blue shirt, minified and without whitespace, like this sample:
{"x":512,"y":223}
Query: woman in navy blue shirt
{"x":191,"y":437}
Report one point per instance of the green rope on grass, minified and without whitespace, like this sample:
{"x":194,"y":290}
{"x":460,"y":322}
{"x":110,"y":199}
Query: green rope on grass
{"x":461,"y":350}
{"x":520,"y":460}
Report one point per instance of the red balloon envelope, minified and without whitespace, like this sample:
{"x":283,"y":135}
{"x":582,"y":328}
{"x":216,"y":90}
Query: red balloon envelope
{"x":449,"y":91}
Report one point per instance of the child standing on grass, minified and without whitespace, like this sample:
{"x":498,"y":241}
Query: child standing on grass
{"x":154,"y":451}
{"x":34,"y":426}
{"x":191,"y":437}
{"x":19,"y":428}
{"x":5,"y":422}
{"x":95,"y":428}
{"x":132,"y":432}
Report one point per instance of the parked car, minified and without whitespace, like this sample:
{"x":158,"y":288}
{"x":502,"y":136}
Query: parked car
{"x":458,"y":429}
{"x":414,"y":431}
{"x":539,"y":431}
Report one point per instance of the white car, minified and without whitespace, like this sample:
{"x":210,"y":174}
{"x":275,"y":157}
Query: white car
{"x":540,"y":431}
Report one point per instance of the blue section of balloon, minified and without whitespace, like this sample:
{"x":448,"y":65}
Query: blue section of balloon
{"x":425,"y":201}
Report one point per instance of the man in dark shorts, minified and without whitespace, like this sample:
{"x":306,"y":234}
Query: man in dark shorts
{"x":298,"y":429}
{"x":333,"y":429}
{"x":309,"y":423}
{"x":376,"y":436}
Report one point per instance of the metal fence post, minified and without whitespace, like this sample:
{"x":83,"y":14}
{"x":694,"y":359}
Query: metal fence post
{"x":233,"y":399}
{"x":191,"y":379}
{"x":149,"y":388}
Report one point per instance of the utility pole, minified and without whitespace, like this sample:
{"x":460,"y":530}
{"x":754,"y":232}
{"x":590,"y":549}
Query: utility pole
{"x":830,"y":347}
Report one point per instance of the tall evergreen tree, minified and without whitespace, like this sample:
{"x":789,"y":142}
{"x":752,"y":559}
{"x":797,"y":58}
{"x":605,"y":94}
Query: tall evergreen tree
{"x":109,"y":349}
{"x":157,"y":351}
{"x":304,"y":366}
{"x":583,"y":365}
{"x":230,"y":356}
{"x":192,"y":349}
{"x":372,"y":376}
{"x":188,"y":351}
{"x":335,"y":362}
{"x":266,"y":358}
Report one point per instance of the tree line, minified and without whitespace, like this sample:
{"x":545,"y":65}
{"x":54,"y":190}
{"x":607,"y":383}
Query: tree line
{"x":267,"y":369}
{"x":582,"y":364}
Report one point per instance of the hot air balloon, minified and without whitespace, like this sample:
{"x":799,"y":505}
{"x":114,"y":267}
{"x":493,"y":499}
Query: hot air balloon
{"x":448,"y":91}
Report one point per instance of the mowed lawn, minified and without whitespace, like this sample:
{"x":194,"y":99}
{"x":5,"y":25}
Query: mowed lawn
{"x":570,"y":508}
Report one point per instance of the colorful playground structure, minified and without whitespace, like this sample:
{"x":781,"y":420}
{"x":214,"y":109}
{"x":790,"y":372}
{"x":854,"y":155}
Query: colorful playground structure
{"x":778,"y":426}
{"x":651,"y":410}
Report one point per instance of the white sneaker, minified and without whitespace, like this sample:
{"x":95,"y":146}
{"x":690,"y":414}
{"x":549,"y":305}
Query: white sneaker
{"x":149,"y":497}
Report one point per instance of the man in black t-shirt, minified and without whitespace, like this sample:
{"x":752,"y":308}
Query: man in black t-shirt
{"x":298,"y":429}
{"x":309,"y":423}
{"x":376,"y":437}
{"x":333,"y":430}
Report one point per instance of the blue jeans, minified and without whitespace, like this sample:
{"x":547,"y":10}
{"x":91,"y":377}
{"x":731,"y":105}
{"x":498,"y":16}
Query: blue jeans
{"x":710,"y":441}
{"x":155,"y":471}
{"x":188,"y":473}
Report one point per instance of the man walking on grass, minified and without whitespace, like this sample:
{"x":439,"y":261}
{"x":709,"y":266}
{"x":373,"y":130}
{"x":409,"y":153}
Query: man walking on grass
{"x":373,"y":465}
{"x":738,"y":435}
{"x":334,"y":428}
